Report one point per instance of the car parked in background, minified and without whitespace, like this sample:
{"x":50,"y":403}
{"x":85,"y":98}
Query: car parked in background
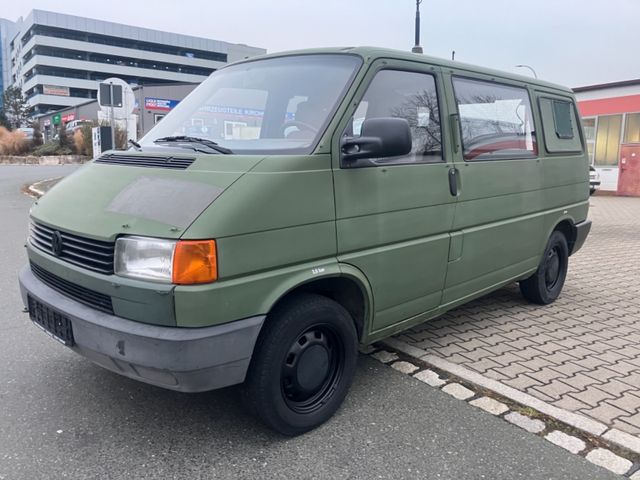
{"x":28,"y":132}
{"x":594,"y":180}
{"x":74,"y":125}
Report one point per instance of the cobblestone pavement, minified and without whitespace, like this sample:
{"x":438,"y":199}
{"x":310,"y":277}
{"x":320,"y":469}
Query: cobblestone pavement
{"x":582,"y":353}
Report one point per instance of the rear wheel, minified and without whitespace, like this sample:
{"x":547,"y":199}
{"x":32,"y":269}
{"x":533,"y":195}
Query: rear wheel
{"x":303,"y":364}
{"x":544,"y":286}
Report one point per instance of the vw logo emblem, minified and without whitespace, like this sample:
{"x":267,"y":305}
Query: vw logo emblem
{"x":56,"y":243}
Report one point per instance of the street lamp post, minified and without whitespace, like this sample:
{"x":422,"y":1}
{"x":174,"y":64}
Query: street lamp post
{"x":530,"y":68}
{"x":417,"y":48}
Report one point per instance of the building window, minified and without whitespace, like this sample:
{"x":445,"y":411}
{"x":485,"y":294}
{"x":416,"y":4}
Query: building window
{"x":608,"y":140}
{"x":632,"y":128}
{"x":495,"y":120}
{"x":157,"y":117}
{"x":560,"y":126}
{"x":589,"y":126}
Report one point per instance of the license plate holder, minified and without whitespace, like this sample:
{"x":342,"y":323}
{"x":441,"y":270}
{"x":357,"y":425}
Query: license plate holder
{"x":53,"y":323}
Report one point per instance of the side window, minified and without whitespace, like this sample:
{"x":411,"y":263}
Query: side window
{"x":409,"y":95}
{"x":495,"y":119}
{"x":560,"y":125}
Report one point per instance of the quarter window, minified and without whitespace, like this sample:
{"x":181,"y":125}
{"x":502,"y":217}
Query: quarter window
{"x":560,"y":126}
{"x":409,"y":95}
{"x":495,"y":120}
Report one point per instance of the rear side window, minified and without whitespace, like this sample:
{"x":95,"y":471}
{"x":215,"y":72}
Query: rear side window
{"x":408,"y":95}
{"x":560,"y":125}
{"x":495,"y":120}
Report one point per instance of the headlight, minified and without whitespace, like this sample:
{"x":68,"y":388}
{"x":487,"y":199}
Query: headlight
{"x":146,"y":258}
{"x":183,"y":262}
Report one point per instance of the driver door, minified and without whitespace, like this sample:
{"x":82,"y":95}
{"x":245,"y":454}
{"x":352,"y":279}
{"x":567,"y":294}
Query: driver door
{"x":394,"y":214}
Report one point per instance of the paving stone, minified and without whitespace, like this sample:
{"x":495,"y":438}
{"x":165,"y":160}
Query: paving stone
{"x":556,"y":389}
{"x":384,"y":356}
{"x":404,"y":367}
{"x":592,"y":396}
{"x":490,"y":405}
{"x":579,"y":381}
{"x":614,"y":387}
{"x":458,"y":391}
{"x":609,"y":460}
{"x":522,"y":382}
{"x":605,"y":412}
{"x":546,"y":375}
{"x":568,"y":442}
{"x":621,"y":424}
{"x":635,"y":476}
{"x":630,"y":442}
{"x":486,"y":364}
{"x":573,"y":405}
{"x":430,"y":377}
{"x":529,"y":424}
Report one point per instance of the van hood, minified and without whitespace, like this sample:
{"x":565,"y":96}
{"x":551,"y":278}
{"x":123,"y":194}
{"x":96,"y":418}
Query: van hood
{"x":104,"y":199}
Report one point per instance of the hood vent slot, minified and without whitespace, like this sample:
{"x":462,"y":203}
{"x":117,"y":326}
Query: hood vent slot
{"x":175,"y":163}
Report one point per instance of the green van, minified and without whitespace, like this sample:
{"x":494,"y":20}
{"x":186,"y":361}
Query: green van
{"x":299,"y":205}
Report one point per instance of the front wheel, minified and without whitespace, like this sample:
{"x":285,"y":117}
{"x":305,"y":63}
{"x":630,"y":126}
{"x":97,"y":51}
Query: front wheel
{"x":303,"y":364}
{"x":544,"y":286}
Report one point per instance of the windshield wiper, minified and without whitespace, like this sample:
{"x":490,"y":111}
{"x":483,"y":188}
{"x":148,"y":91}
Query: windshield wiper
{"x":135,"y":144}
{"x":202,"y":141}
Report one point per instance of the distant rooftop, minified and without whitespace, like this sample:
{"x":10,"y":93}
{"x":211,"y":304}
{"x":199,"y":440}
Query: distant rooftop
{"x":131,"y":32}
{"x":600,"y":86}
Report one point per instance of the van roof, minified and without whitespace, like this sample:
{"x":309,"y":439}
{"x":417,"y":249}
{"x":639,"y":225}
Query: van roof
{"x":374,"y":53}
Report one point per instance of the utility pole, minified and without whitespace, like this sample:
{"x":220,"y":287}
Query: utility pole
{"x":417,"y":48}
{"x":453,"y":54}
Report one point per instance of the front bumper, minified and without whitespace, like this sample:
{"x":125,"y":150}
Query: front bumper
{"x":183,"y":359}
{"x":582,"y":230}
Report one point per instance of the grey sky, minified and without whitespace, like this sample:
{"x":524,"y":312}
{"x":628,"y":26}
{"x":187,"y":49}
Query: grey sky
{"x":572,"y":42}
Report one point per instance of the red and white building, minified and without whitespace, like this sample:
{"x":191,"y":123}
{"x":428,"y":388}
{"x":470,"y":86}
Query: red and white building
{"x":611,"y":119}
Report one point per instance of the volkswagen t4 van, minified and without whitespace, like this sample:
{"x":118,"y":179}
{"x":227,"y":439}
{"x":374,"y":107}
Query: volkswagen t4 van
{"x":298,"y":205}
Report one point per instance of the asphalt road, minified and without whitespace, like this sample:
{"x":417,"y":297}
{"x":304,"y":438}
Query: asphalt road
{"x":63,"y":417}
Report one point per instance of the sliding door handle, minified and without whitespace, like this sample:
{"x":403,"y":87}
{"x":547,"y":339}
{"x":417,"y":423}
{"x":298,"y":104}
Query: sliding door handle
{"x":454,"y":181}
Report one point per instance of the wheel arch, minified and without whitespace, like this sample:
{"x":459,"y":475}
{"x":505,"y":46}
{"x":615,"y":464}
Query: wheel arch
{"x":567,"y":227}
{"x":345,"y":285}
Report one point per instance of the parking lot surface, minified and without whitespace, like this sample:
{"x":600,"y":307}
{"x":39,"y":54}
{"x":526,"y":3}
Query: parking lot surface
{"x":582,"y":353}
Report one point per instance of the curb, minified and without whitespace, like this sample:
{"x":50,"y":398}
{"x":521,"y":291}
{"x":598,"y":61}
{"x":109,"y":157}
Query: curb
{"x":607,"y":447}
{"x":38,"y":189}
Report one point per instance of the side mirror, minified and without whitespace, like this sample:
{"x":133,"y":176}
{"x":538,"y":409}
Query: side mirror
{"x":380,"y":137}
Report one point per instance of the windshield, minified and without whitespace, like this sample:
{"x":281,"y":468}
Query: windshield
{"x":275,"y":105}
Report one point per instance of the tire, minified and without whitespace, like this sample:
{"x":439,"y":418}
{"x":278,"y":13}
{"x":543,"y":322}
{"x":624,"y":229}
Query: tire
{"x":303,"y":364}
{"x":544,"y":286}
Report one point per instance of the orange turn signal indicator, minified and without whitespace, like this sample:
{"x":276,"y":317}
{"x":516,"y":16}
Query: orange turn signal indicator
{"x":195,"y":261}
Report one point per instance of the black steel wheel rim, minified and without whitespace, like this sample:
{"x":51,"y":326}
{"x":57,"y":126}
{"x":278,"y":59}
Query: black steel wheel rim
{"x":312,"y":368}
{"x":552,"y":268}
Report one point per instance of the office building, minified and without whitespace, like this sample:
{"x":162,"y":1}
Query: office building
{"x":58,"y":59}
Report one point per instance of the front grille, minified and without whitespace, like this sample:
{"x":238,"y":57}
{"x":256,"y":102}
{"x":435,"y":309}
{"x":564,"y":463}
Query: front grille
{"x":99,"y":301}
{"x":84,"y":252}
{"x":150,"y":161}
